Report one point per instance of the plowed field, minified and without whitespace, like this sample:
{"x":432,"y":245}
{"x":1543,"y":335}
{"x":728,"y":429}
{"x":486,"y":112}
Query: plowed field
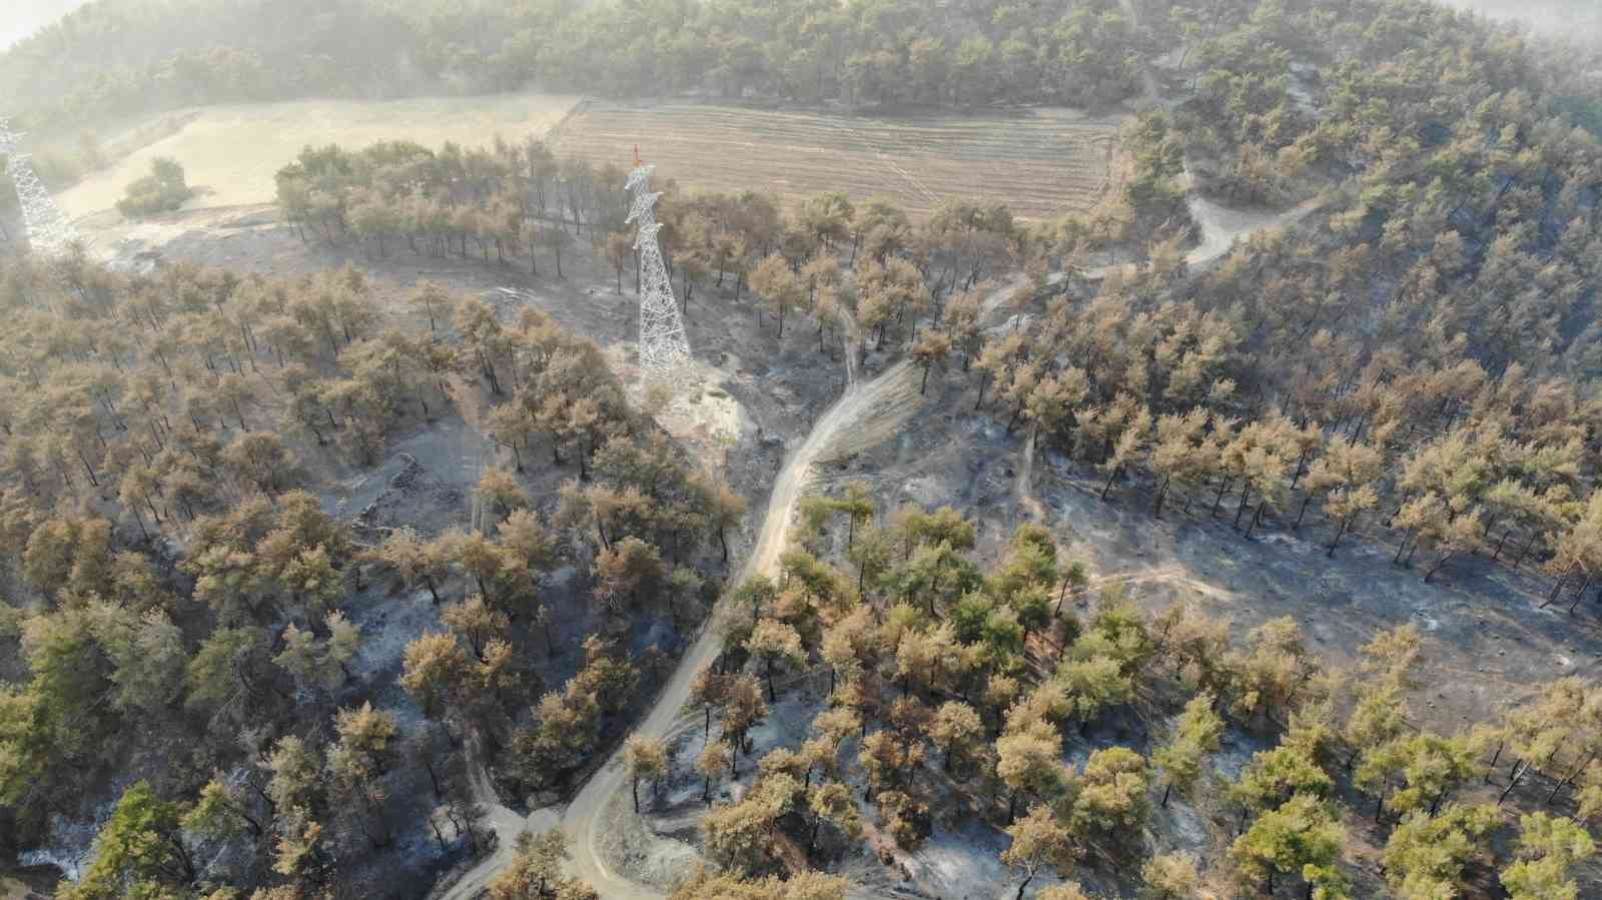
{"x":1040,"y":162}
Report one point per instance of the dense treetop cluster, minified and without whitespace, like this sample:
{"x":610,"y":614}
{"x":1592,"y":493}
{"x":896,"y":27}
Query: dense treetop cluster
{"x":117,"y":57}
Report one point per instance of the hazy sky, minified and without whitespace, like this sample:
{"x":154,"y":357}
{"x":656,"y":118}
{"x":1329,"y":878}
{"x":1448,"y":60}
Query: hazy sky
{"x":1579,"y":18}
{"x":20,"y":18}
{"x":1575,"y":18}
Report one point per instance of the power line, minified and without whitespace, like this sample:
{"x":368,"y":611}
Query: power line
{"x":664,"y":347}
{"x":50,"y":234}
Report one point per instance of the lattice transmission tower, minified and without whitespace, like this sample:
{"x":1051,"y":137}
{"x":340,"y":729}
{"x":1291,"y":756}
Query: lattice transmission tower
{"x":664,"y":348}
{"x":50,"y":234}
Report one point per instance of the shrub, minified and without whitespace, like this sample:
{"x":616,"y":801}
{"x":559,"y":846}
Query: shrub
{"x":163,"y":190}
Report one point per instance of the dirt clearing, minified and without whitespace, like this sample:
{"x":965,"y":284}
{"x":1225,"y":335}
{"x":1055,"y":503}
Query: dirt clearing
{"x":1040,"y":162}
{"x":231,"y":152}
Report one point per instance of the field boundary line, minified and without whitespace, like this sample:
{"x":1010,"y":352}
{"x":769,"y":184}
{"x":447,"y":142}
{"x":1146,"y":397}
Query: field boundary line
{"x":553,"y":135}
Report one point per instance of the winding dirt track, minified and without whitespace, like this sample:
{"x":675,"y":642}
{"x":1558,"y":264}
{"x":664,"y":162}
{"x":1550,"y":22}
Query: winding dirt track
{"x":584,"y":816}
{"x":885,"y":402}
{"x":1221,"y":228}
{"x":505,"y":822}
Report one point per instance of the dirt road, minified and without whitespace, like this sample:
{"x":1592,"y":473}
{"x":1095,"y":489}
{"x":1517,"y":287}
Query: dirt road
{"x":885,"y":402}
{"x":586,"y":815}
{"x":1221,"y":227}
{"x":505,"y":822}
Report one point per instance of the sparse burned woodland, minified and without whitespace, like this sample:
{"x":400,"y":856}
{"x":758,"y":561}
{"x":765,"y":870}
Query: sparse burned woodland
{"x":1220,"y":521}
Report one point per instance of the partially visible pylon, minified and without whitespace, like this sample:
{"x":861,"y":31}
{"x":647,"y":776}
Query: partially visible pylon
{"x":50,"y":234}
{"x":664,"y":347}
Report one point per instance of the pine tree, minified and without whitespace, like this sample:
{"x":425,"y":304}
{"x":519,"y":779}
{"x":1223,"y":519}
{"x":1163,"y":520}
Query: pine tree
{"x":1195,"y":736}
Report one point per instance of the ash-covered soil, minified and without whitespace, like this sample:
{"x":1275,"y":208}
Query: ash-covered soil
{"x":1487,"y":643}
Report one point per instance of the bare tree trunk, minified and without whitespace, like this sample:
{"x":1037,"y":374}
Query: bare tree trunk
{"x":1162,"y":492}
{"x":1336,"y":542}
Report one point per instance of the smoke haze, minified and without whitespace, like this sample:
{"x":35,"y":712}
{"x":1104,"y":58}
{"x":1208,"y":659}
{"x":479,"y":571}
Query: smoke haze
{"x":24,"y":17}
{"x":1571,"y":18}
{"x":1576,"y":18}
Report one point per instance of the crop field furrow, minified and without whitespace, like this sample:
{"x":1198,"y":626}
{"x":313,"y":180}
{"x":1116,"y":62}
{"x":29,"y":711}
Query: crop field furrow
{"x":1039,"y":162}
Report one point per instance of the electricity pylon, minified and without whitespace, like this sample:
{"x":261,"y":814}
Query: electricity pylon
{"x":664,"y":348}
{"x":49,"y":232}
